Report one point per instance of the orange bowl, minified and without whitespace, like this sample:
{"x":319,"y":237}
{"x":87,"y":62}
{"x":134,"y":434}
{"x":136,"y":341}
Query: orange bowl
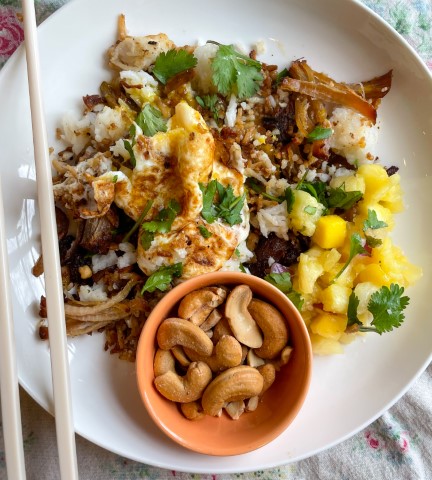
{"x":279,"y":405}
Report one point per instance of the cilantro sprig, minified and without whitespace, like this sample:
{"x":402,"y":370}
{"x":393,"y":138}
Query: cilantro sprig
{"x":171,"y":63}
{"x":283,"y":282}
{"x":236,"y":73}
{"x":209,"y":102}
{"x":220,"y":202}
{"x":319,"y":133}
{"x":151,"y":121}
{"x":162,"y":278}
{"x":386,"y":305}
{"x":373,"y":223}
{"x":161,"y":224}
{"x":356,"y":247}
{"x":259,"y":188}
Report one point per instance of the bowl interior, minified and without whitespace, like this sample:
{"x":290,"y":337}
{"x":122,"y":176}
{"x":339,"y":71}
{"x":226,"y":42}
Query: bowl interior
{"x":280,"y":404}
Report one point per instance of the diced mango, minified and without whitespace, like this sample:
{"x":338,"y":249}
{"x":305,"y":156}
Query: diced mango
{"x":373,"y":273}
{"x":325,"y":346}
{"x":350,"y":183}
{"x":329,"y":325}
{"x":335,"y":298}
{"x":330,"y":231}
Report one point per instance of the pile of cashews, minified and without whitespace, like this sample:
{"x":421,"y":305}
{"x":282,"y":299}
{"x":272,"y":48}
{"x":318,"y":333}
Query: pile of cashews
{"x":221,"y":352}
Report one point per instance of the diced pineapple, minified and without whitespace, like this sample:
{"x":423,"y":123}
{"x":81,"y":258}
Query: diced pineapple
{"x":308,"y":271}
{"x":395,"y":265}
{"x":376,"y":181}
{"x":393,"y":197}
{"x":305,"y":213}
{"x":350,"y":183}
{"x":329,"y":259}
{"x":347,"y":338}
{"x":325,"y":346}
{"x":363,"y":292}
{"x":335,"y":298}
{"x":330,"y":231}
{"x":383,"y":214}
{"x":329,"y":325}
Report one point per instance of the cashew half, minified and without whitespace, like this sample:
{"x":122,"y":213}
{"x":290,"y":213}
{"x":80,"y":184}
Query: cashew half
{"x":192,"y":410}
{"x":163,"y":362}
{"x":176,"y":331}
{"x":220,"y":329}
{"x":268,"y":373}
{"x":227,"y":353}
{"x":197,"y":305}
{"x":211,"y":320}
{"x":273,"y":326}
{"x":187,"y":388}
{"x":242,"y":324}
{"x":232,"y":385}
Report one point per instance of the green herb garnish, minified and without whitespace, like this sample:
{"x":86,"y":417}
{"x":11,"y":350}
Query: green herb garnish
{"x":356,"y":247}
{"x":169,"y":64}
{"x":151,"y":121}
{"x":319,"y":133}
{"x":145,"y":211}
{"x":162,"y":278}
{"x":220,"y":202}
{"x":283,"y":282}
{"x":204,"y":232}
{"x":210,"y":103}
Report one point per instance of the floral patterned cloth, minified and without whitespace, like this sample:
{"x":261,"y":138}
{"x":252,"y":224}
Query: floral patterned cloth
{"x":397,"y":446}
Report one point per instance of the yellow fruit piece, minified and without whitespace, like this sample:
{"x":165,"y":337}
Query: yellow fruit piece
{"x":350,"y":183}
{"x":325,"y":346}
{"x":329,"y":259}
{"x":373,"y":273}
{"x":330,"y":231}
{"x":308,"y":271}
{"x":329,"y":325}
{"x":335,"y":298}
{"x":383,"y":214}
{"x":393,"y":197}
{"x":305,"y":213}
{"x":376,"y":181}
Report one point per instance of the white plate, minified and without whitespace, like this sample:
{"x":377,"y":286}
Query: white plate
{"x":339,"y":37}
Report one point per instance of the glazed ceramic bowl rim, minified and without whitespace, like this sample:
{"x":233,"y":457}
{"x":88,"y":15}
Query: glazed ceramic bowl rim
{"x":161,"y":310}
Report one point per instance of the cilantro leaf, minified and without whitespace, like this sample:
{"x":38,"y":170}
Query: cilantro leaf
{"x":283,"y":282}
{"x":162,"y":278}
{"x":151,"y":121}
{"x":372,"y":221}
{"x":386,"y":305}
{"x":145,"y":211}
{"x":169,"y":64}
{"x":129,"y":147}
{"x":210,"y":103}
{"x":281,"y":75}
{"x":161,"y":224}
{"x":319,"y":133}
{"x":372,"y":241}
{"x":235,"y":73}
{"x":340,"y":198}
{"x":356,"y":247}
{"x":228,"y":207}
{"x":317,"y":189}
{"x":204,"y":232}
{"x":258,"y":187}
{"x":290,"y":199}
{"x":310,"y":210}
{"x":353,"y":304}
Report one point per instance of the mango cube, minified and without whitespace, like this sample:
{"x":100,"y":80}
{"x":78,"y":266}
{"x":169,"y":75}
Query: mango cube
{"x":330,"y":231}
{"x":373,"y":273}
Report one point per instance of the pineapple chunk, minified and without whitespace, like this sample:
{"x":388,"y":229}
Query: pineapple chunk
{"x":351,"y":183}
{"x":329,"y":259}
{"x":308,"y":271}
{"x":363,"y":292}
{"x":325,"y":346}
{"x":329,"y":325}
{"x":305,"y":213}
{"x":376,"y":180}
{"x":330,"y":231}
{"x":383,"y":214}
{"x":373,"y":273}
{"x":393,"y":198}
{"x":335,"y":298}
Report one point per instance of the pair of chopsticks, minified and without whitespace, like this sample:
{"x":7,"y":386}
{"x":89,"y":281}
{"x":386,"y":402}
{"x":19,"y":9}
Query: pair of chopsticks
{"x":54,"y":294}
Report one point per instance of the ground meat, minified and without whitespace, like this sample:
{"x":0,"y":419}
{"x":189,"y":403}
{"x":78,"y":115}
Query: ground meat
{"x":392,"y":170}
{"x":280,"y":250}
{"x":284,"y":121}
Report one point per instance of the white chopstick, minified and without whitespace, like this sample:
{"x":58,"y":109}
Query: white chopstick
{"x":53,"y":282}
{"x":10,"y":404}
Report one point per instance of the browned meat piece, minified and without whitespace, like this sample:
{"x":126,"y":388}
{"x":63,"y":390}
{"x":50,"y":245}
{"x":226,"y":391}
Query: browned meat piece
{"x":280,"y":250}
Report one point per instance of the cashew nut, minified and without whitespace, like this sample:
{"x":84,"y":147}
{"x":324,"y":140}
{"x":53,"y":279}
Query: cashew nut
{"x":273,"y":326}
{"x":268,"y":373}
{"x":192,"y":410}
{"x":240,"y":320}
{"x":163,"y":362}
{"x":211,"y":320}
{"x":180,"y":356}
{"x":283,"y":359}
{"x":235,"y":409}
{"x":232,"y":385}
{"x":197,"y":305}
{"x":221,"y":328}
{"x":253,"y":360}
{"x":252,"y":404}
{"x":177,"y":331}
{"x":187,"y":388}
{"x":227,"y":353}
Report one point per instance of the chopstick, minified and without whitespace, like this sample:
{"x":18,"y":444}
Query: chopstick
{"x":10,"y":404}
{"x":53,"y":282}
